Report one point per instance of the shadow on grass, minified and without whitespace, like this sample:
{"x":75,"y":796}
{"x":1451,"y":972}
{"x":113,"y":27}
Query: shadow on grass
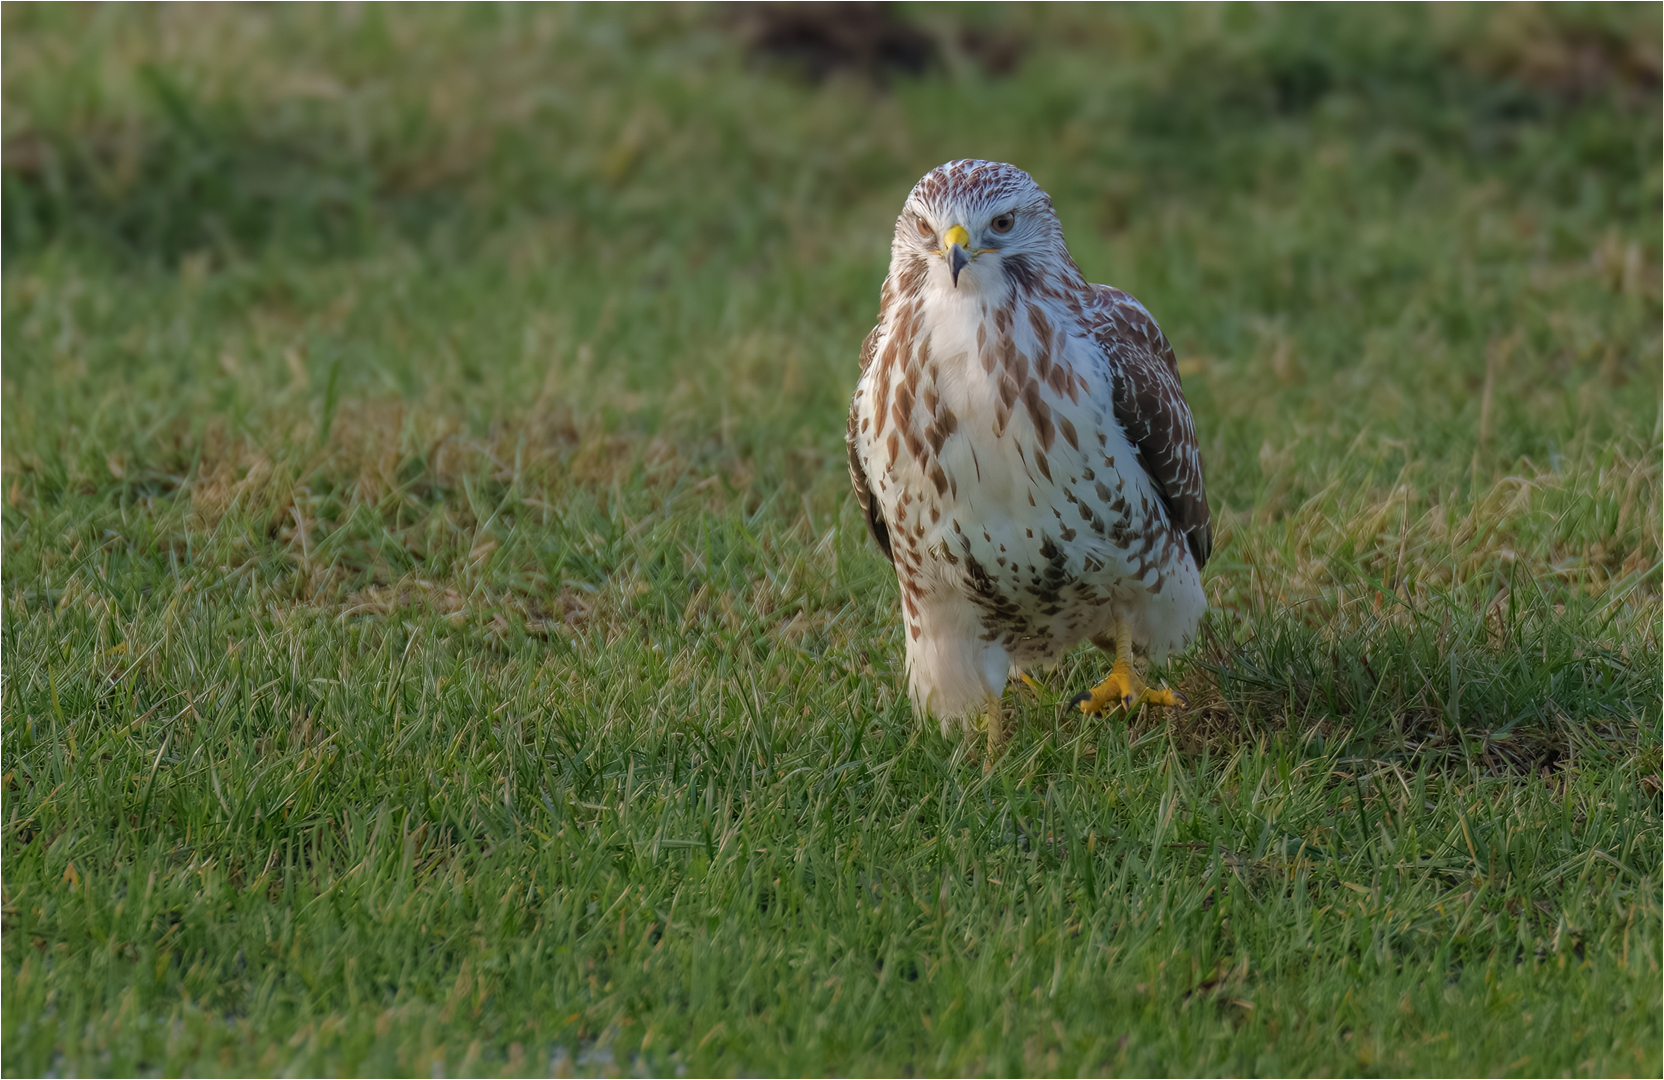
{"x":1526,"y":679}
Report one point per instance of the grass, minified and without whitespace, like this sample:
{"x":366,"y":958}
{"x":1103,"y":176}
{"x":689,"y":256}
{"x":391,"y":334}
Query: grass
{"x":438,"y":637}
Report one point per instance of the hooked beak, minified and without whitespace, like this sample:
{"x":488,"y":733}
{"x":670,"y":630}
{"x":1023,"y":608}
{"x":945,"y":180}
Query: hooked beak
{"x":955,"y":243}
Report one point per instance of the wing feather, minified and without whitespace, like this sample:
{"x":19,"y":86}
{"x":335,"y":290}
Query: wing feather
{"x":870,"y":510}
{"x":1150,"y":406}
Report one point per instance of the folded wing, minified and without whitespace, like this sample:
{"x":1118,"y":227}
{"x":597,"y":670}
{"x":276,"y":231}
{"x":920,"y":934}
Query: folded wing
{"x":1150,"y":406}
{"x":870,"y":510}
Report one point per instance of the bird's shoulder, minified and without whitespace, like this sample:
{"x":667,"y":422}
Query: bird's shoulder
{"x":1127,"y":331}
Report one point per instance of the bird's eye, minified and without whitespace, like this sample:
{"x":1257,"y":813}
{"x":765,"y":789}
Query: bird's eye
{"x":1003,"y":223}
{"x":924,"y":228}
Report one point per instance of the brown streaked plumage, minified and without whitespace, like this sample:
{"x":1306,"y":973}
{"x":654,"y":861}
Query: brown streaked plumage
{"x":1021,"y":449}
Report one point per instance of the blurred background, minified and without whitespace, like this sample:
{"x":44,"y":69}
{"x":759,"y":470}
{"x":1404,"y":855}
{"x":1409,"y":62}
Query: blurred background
{"x":1392,"y":244}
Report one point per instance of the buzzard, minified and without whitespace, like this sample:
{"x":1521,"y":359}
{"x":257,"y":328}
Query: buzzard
{"x":1022,"y":452}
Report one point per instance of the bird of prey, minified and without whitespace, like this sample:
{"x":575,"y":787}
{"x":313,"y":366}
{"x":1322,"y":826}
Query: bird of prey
{"x":1023,"y":454}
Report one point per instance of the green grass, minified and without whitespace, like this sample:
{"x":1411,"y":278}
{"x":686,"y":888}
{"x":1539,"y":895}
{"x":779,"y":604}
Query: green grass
{"x":438,"y":637}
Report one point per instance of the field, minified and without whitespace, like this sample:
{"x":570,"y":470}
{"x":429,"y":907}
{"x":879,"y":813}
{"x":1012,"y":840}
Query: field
{"x":439,"y":638}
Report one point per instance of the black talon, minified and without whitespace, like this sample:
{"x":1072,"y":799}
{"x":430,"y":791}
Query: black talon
{"x":1080,"y":699}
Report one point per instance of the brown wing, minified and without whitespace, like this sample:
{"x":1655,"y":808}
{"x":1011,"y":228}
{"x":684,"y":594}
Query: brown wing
{"x":1150,"y":406}
{"x":857,"y":476}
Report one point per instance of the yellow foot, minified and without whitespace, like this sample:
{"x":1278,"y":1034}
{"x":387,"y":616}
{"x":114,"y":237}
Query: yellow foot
{"x":1123,"y":690}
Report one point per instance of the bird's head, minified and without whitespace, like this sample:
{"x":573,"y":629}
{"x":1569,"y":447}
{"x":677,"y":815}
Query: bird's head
{"x":980,"y":226}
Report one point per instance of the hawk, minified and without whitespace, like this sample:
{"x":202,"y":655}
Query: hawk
{"x":1023,"y":454}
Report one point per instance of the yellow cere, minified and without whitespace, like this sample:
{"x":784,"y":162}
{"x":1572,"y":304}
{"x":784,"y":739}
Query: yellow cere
{"x":956,"y":235}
